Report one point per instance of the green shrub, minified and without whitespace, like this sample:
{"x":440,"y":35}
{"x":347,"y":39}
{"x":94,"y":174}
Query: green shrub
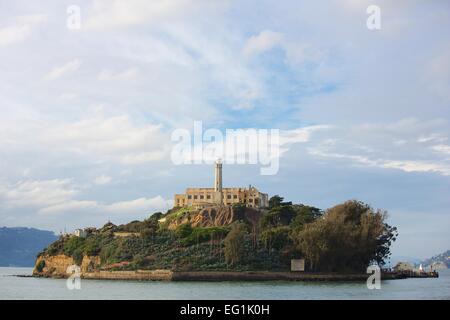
{"x":40,"y":266}
{"x":183,"y":230}
{"x":77,"y":256}
{"x":72,"y":244}
{"x":199,"y":235}
{"x":234,"y":249}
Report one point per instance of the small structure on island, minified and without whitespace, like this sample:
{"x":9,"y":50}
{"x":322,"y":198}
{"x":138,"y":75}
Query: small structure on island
{"x":205,"y":197}
{"x":298,"y":265}
{"x":80,"y":233}
{"x":403,"y":266}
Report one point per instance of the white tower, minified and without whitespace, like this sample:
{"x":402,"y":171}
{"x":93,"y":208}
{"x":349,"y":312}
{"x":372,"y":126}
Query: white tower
{"x":218,"y":183}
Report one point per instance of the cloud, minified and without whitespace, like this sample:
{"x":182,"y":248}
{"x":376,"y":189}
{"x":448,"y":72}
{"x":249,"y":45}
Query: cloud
{"x":131,"y":208}
{"x":262,"y":42}
{"x":66,"y":68}
{"x":58,"y":197}
{"x":141,"y":205}
{"x":404,"y":165}
{"x":115,"y":138}
{"x":443,"y":148}
{"x":296,"y":52}
{"x":128,"y":74}
{"x":102,"y":180}
{"x":35,"y":193}
{"x":110,"y":14}
{"x":21,"y":29}
{"x":95,"y":138}
{"x":299,"y":135}
{"x":407,"y":145}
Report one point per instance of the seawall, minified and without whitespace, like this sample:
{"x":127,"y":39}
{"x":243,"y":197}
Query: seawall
{"x":56,"y":267}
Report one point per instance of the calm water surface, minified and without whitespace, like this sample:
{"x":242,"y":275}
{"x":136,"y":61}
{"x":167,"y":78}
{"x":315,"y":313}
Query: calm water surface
{"x":13,"y":287}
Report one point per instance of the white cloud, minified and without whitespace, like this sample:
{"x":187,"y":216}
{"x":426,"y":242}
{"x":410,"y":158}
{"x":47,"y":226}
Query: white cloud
{"x":21,"y":29}
{"x":36,"y":193}
{"x":262,"y":42}
{"x":141,"y":207}
{"x":299,"y":135}
{"x":404,"y":165}
{"x":297,"y":52}
{"x":404,"y":145}
{"x":115,"y":13}
{"x":58,"y":197}
{"x":102,"y":180}
{"x":128,"y":74}
{"x":433,"y":137}
{"x":443,"y":148}
{"x":66,"y":68}
{"x":115,"y":138}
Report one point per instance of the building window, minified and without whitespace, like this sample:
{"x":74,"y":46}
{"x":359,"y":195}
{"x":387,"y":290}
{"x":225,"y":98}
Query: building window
{"x":201,"y":196}
{"x":229,"y":196}
{"x":208,"y":197}
{"x":189,"y":197}
{"x":235,"y":196}
{"x":195,"y":196}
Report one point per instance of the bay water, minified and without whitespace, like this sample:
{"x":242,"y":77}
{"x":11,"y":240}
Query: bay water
{"x":14,"y":287}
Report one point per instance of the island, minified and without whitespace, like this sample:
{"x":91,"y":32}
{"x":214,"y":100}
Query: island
{"x":228,"y":242}
{"x":229,"y":234}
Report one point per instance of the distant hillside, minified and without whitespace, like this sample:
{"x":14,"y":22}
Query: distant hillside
{"x":442,"y":259}
{"x":20,"y":246}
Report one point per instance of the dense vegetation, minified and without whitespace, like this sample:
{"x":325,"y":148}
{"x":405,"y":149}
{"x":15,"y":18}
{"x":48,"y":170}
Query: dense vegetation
{"x":345,"y":238}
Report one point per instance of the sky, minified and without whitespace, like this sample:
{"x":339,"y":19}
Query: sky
{"x":87,"y":113}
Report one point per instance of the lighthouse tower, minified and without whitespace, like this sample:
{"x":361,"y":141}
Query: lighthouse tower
{"x":218,"y":195}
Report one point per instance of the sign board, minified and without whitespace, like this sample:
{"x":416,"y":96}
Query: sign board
{"x":298,"y":265}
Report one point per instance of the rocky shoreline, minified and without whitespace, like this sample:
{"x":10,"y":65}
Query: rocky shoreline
{"x":56,"y":267}
{"x":167,"y":275}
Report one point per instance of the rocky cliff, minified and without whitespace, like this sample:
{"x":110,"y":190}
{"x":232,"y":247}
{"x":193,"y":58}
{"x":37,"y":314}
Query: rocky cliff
{"x":56,"y":266}
{"x":215,"y":216}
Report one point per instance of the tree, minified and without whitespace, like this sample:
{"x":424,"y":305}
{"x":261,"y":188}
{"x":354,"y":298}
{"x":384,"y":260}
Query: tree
{"x":348,"y":238}
{"x":276,"y":238}
{"x":278,"y":216}
{"x":304,"y":214}
{"x":234,"y":243}
{"x":155,"y":216}
{"x":275,"y":201}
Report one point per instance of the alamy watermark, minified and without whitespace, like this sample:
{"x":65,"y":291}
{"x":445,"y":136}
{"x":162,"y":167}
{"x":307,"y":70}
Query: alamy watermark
{"x":373,"y":21}
{"x":374,"y":280}
{"x":73,"y":21}
{"x":73,"y":282}
{"x":234,"y":146}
